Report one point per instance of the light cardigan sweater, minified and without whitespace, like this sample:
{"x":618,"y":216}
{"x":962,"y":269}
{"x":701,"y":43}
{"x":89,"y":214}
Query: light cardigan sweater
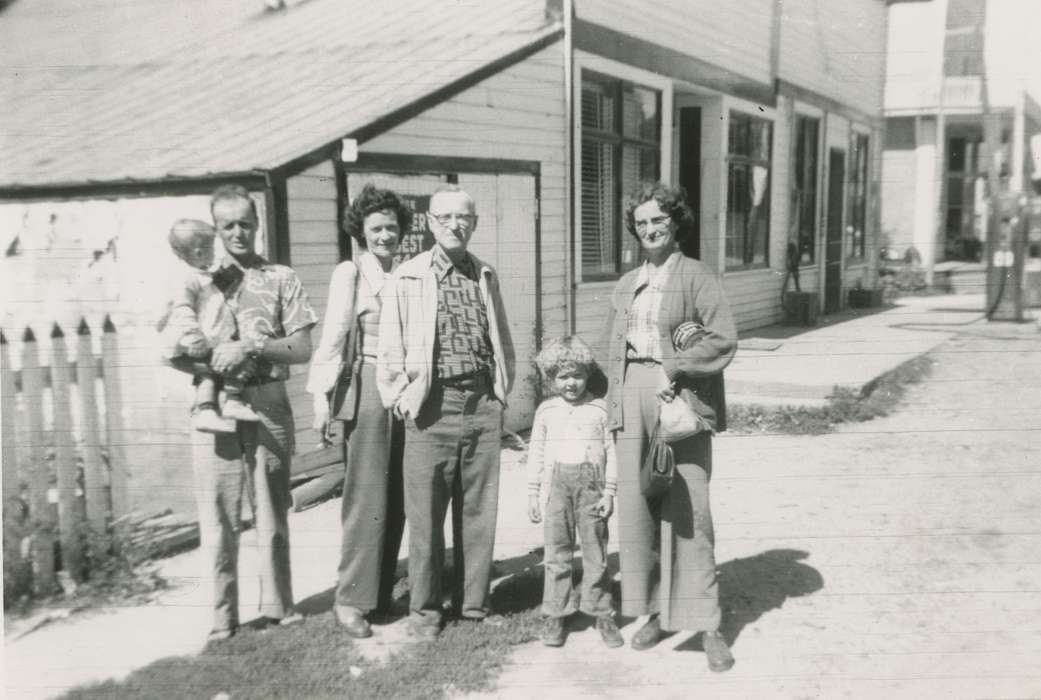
{"x":354,"y":305}
{"x":692,"y":292}
{"x":408,"y":331}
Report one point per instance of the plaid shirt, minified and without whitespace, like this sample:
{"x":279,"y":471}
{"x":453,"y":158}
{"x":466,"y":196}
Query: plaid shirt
{"x":463,"y":347}
{"x":641,"y":332}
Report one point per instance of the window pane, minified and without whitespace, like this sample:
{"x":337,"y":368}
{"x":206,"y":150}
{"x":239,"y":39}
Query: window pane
{"x":600,"y":208}
{"x":759,"y":215}
{"x":639,"y":165}
{"x":804,"y":190}
{"x":598,"y":106}
{"x":738,"y":196}
{"x":639,"y":113}
{"x":761,"y":139}
{"x":739,"y":134}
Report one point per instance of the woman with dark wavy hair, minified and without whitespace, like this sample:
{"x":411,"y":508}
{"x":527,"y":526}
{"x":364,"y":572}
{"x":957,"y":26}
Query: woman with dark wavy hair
{"x":671,"y":335}
{"x":372,"y":512}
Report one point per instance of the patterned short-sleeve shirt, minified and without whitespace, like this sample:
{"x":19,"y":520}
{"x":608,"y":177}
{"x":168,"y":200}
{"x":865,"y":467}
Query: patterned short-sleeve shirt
{"x":463,"y":345}
{"x":268,"y":301}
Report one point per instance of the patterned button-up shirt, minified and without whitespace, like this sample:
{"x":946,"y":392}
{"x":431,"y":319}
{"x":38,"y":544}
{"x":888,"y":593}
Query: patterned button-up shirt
{"x":641,"y":333}
{"x":463,"y":346}
{"x":268,"y":302}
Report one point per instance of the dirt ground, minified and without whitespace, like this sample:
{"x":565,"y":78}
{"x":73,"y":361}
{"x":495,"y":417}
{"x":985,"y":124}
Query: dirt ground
{"x":894,"y":558}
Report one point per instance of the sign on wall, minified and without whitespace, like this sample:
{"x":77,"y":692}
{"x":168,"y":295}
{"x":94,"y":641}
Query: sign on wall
{"x":418,"y":238}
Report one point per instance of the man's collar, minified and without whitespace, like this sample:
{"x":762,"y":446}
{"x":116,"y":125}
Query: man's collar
{"x":441,"y":264}
{"x":246,"y":263}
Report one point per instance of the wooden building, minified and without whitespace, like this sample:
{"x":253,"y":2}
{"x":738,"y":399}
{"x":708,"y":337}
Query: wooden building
{"x":769,"y":113}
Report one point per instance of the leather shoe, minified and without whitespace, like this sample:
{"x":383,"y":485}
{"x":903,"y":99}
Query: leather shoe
{"x":608,"y":630}
{"x":352,"y":620}
{"x":648,"y":635}
{"x":719,"y":657}
{"x":219,"y":635}
{"x":554,"y":632}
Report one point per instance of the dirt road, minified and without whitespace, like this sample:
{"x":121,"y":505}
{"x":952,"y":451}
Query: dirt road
{"x":895,"y":558}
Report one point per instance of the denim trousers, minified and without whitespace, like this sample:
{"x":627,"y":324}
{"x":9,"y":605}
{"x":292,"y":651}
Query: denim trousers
{"x":372,"y":511}
{"x":452,"y":456}
{"x":254,"y":457}
{"x":574,"y":492}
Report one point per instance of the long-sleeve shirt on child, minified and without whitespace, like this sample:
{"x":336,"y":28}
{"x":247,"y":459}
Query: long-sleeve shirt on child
{"x":570,"y":434}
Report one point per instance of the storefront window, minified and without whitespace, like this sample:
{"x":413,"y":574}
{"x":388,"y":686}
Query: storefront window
{"x":804,"y":188}
{"x":748,"y":191}
{"x":620,"y":149}
{"x":857,"y":200}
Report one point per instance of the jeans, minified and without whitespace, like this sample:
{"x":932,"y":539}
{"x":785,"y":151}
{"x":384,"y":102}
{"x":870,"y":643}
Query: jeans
{"x":574,"y":492}
{"x":452,"y":455}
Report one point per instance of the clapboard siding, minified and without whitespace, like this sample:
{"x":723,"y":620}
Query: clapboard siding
{"x":732,"y":35}
{"x":314,"y":252}
{"x":836,"y":49}
{"x":519,"y":114}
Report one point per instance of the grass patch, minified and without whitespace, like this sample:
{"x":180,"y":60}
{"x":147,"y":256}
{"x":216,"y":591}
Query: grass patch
{"x":316,"y":659}
{"x":844,"y":406}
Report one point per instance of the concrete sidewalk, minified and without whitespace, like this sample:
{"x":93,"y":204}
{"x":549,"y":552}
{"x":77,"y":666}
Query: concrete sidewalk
{"x":851,"y":349}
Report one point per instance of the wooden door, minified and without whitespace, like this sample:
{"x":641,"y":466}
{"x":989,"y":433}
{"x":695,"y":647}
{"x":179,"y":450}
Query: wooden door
{"x":833,"y":235}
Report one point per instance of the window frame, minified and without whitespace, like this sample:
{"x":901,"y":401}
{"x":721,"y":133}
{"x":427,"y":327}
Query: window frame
{"x":750,"y":161}
{"x":612,"y":70}
{"x":797,"y":187}
{"x":858,"y":176}
{"x":617,"y":140}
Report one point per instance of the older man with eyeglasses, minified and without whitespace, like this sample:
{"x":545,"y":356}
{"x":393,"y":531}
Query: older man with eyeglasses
{"x":445,"y":367}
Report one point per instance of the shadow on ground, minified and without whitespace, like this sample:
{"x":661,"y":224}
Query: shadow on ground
{"x":753,"y":586}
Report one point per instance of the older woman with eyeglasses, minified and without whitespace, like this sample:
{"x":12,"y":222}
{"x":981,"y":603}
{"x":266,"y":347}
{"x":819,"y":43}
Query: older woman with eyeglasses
{"x":671,"y":335}
{"x":373,"y":511}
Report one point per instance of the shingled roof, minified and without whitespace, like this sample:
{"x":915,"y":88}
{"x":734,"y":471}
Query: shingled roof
{"x":111,"y":91}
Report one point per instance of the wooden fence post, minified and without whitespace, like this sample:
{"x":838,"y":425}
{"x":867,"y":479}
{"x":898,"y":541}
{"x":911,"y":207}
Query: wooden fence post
{"x":115,"y":429}
{"x":40,"y":510}
{"x":93,"y":471}
{"x":69,"y":516}
{"x":7,"y":428}
{"x":15,"y":577}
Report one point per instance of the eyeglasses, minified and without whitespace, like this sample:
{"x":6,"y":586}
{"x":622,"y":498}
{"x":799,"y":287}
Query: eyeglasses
{"x":657,"y":222}
{"x":446,"y":219}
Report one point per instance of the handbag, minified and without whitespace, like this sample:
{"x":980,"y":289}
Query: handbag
{"x":658,"y":468}
{"x":343,"y":397}
{"x":678,"y":421}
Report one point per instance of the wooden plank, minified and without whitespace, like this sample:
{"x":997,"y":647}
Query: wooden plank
{"x":70,"y":521}
{"x":7,"y":430}
{"x":94,"y":487}
{"x":42,"y":515}
{"x":309,"y":462}
{"x":16,"y":575}
{"x":116,"y":435}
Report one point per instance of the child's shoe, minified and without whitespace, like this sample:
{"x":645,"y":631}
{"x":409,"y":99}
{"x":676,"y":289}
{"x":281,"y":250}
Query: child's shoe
{"x":608,"y":630}
{"x":235,"y":409}
{"x":207,"y":420}
{"x":554,"y":632}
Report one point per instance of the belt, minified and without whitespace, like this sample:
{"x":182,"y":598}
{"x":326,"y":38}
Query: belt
{"x":257,"y":381}
{"x":473,"y":381}
{"x":642,"y":361}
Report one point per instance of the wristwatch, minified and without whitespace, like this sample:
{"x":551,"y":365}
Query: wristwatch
{"x":256,"y":348}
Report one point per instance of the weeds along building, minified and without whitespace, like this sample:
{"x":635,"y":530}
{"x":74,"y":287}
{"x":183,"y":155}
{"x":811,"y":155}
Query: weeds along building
{"x":127,"y":116}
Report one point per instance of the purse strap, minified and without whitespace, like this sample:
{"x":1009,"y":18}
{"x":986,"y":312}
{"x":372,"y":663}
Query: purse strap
{"x":350,"y":347}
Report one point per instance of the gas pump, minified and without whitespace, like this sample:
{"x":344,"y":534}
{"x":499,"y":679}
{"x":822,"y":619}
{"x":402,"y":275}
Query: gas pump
{"x":1031,"y":223}
{"x":1007,"y":247}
